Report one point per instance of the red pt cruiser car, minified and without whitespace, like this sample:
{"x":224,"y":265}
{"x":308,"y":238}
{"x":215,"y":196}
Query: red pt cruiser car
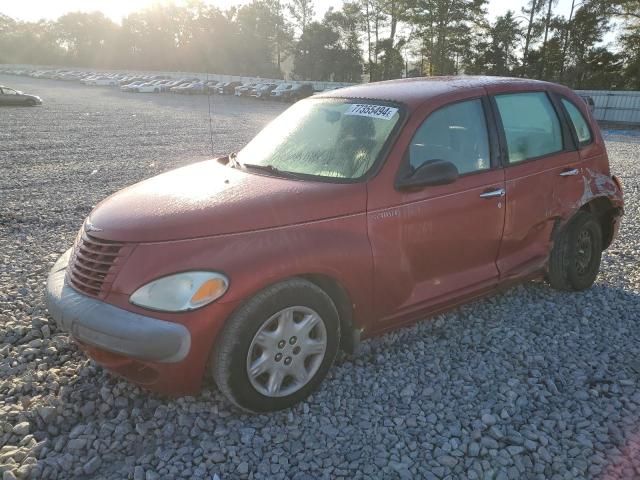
{"x":353,"y":213}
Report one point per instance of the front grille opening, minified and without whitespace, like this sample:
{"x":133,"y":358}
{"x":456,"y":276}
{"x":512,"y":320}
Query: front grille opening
{"x":92,"y":262}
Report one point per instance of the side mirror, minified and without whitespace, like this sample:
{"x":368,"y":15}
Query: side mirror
{"x":430,"y":173}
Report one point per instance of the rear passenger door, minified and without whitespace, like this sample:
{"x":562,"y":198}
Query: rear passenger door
{"x":542,"y":176}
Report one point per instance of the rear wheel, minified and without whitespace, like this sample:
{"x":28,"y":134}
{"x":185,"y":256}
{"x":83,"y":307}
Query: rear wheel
{"x":574,"y":262}
{"x":276,"y":349}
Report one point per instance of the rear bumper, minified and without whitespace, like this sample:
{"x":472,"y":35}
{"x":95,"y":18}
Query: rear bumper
{"x":99,"y":324}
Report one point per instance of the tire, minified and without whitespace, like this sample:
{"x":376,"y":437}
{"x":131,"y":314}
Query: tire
{"x":238,"y":346}
{"x":30,"y":102}
{"x":574,"y":262}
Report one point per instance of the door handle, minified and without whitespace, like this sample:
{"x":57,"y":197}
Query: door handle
{"x":570,"y":172}
{"x":499,"y":192}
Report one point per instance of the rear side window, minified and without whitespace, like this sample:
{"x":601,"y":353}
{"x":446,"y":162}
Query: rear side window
{"x":456,"y":133}
{"x":579,"y":123}
{"x":531,"y":125}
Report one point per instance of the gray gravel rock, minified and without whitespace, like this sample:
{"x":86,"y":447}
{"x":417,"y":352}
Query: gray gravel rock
{"x":21,"y":429}
{"x":531,"y":383}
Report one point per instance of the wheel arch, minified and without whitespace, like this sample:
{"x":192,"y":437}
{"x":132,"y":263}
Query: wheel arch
{"x":605,"y":212}
{"x":350,"y":337}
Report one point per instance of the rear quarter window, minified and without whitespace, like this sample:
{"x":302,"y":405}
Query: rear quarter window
{"x":580,"y":124}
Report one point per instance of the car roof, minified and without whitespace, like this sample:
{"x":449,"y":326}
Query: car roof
{"x":415,"y":91}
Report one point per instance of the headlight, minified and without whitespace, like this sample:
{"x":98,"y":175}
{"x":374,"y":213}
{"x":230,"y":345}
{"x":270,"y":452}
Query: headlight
{"x":181,"y":292}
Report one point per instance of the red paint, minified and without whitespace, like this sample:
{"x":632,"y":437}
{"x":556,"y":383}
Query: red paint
{"x":399,"y":255}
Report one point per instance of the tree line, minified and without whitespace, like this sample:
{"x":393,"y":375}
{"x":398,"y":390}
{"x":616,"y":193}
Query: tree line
{"x":382,"y":38}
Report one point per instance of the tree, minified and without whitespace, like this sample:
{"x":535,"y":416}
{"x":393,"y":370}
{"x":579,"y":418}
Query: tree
{"x":261,"y":38}
{"x":582,"y":32}
{"x":533,"y":9}
{"x":626,"y":9}
{"x":496,"y":48}
{"x":631,"y":57}
{"x":88,"y":38}
{"x":302,"y":12}
{"x":348,"y":24}
{"x":330,"y":50}
{"x":446,"y":28}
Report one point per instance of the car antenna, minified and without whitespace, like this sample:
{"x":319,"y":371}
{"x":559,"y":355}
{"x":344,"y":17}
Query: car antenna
{"x":210,"y":120}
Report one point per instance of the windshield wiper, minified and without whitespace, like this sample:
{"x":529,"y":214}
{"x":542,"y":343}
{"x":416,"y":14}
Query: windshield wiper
{"x":270,"y":169}
{"x":233,"y":160}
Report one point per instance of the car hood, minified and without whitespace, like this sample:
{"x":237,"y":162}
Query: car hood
{"x":207,"y":198}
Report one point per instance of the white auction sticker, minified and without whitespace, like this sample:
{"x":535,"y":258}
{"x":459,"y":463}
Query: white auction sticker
{"x":375,"y":111}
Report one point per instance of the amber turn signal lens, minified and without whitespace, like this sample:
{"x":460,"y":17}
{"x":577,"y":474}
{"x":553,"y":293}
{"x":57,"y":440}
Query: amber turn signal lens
{"x":209,"y":289}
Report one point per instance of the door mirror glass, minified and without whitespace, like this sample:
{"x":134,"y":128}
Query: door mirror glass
{"x":430,"y":173}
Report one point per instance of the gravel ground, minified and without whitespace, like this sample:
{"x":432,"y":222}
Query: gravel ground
{"x":531,"y":383}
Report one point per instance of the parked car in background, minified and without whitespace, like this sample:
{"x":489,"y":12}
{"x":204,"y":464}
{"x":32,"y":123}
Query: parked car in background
{"x":228,"y":88}
{"x":102,"y":82}
{"x":264,"y":90}
{"x":279,"y":92}
{"x":178,"y":83}
{"x":244,"y":89}
{"x":150,"y":87}
{"x":10,"y":96}
{"x":193,"y":88}
{"x":210,"y":86}
{"x":298,"y":245}
{"x":183,"y":87}
{"x":589,"y":101}
{"x":298,"y":92}
{"x":327,"y":89}
{"x":130,"y":79}
{"x":87,"y":80}
{"x":132,"y":87}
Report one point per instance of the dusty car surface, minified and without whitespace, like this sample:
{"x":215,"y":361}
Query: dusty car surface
{"x":10,"y":96}
{"x":353,"y":213}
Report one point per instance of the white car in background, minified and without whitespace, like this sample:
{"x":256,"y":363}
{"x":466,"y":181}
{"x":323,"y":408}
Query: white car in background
{"x":132,"y":87}
{"x":151,"y":87}
{"x":102,"y":82}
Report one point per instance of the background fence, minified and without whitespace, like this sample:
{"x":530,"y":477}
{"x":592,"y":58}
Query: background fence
{"x":615,"y":107}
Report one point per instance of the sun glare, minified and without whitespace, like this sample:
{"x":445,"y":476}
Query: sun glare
{"x":32,"y":10}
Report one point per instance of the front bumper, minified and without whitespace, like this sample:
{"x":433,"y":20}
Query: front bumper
{"x":113,"y":329}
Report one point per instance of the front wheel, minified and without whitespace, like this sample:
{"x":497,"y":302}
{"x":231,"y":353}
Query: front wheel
{"x":574,"y":262}
{"x":277,"y":348}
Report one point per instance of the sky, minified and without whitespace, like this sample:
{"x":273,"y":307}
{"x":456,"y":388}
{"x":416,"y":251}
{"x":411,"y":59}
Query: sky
{"x":117,"y":9}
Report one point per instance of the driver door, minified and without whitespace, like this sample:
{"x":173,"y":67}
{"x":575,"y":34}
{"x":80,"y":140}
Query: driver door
{"x":437,"y":244}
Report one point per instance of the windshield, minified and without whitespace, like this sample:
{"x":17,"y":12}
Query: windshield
{"x":323,"y":137}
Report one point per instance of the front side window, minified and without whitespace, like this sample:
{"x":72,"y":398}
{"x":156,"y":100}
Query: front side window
{"x":579,"y":122}
{"x":323,"y":137}
{"x":531,"y":125}
{"x":456,"y":133}
{"x":9,"y":91}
